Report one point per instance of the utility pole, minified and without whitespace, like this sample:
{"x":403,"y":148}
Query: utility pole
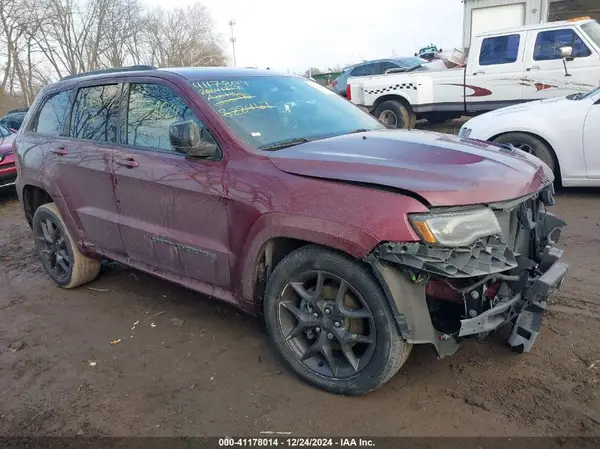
{"x":232,"y":39}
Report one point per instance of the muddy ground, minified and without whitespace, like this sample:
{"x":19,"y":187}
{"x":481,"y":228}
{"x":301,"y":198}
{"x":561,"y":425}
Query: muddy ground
{"x":192,"y":366}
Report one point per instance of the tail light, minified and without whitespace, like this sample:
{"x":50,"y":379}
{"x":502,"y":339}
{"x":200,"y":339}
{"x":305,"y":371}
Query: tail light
{"x":348,"y":92}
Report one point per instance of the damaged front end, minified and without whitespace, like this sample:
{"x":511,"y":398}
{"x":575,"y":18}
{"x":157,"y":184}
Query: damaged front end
{"x":474,"y":270}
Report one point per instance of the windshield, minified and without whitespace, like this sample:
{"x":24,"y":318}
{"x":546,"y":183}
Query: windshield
{"x":265,"y":111}
{"x":589,"y":94}
{"x":592,"y":29}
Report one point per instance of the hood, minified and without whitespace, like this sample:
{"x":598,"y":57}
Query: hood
{"x":442,"y":169}
{"x":6,"y":144}
{"x":527,"y":107}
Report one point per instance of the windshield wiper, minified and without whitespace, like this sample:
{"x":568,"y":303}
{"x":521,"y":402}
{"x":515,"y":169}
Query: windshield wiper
{"x":356,"y":131}
{"x":283,"y":144}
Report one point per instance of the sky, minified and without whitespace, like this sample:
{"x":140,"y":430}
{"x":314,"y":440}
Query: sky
{"x":292,"y":35}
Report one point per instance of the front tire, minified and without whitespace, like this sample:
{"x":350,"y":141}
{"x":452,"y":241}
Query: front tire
{"x":330,"y":322}
{"x":395,"y":115}
{"x":57,"y":251}
{"x":533,"y":145}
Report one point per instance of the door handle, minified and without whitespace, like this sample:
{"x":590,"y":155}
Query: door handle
{"x":128,"y":162}
{"x":479,"y":72}
{"x":534,"y":67}
{"x":60,"y":151}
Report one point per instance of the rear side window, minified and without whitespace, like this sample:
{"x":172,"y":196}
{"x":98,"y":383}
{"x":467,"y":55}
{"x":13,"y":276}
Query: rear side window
{"x":152,"y":109}
{"x":95,"y":113}
{"x":548,"y":44}
{"x":52,"y":118}
{"x":500,"y":50}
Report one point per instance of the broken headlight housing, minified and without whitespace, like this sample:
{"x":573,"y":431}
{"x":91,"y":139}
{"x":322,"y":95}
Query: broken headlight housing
{"x":455,"y":228}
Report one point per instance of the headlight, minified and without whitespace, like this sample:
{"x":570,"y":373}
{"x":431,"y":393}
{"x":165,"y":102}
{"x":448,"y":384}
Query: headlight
{"x":458,"y":228}
{"x":464,"y":132}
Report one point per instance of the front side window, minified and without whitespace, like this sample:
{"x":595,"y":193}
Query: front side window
{"x":499,"y":50}
{"x":267,"y":110}
{"x":549,"y":43}
{"x":364,"y":70}
{"x":386,"y":65}
{"x":52,"y":118}
{"x":152,"y":109}
{"x":95,"y":113}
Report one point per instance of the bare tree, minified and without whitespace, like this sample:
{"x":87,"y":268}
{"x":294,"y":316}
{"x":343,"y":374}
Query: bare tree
{"x":44,"y":40}
{"x":183,"y":37}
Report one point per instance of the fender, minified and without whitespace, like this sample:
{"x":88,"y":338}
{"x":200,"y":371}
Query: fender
{"x":41,"y":181}
{"x":340,"y":236}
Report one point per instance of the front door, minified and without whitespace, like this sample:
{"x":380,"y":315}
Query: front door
{"x":545,"y":75}
{"x":494,"y":72}
{"x":171,"y":212}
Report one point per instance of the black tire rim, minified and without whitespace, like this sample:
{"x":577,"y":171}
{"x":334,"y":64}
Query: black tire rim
{"x":327,"y":324}
{"x":389,"y":118}
{"x":53,"y":248}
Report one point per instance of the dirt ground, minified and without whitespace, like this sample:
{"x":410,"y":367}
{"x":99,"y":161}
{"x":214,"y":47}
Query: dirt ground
{"x":187,"y":365}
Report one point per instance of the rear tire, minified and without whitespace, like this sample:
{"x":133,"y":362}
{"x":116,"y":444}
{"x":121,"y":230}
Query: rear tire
{"x":56,"y":248}
{"x":395,"y":114}
{"x":315,"y":320}
{"x":533,"y":145}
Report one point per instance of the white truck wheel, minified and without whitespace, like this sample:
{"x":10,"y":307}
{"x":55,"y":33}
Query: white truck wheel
{"x":395,"y":115}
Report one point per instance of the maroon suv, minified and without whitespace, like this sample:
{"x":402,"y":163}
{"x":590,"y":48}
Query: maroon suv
{"x":276,"y":195}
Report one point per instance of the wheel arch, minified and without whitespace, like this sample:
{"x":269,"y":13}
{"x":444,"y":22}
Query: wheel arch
{"x":33,"y":196}
{"x":394,"y":97}
{"x":273,"y":236}
{"x":34,"y":193}
{"x":543,"y":139}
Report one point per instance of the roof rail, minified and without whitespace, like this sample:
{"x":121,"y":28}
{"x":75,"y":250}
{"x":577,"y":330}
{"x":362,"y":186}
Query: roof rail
{"x":131,"y":68}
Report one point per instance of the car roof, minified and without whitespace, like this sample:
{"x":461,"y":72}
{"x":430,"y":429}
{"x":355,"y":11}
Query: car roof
{"x":395,"y":58}
{"x":188,"y":73}
{"x":539,"y":26}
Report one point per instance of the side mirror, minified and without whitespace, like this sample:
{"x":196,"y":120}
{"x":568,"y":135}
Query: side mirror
{"x":566,"y":52}
{"x":188,"y":138}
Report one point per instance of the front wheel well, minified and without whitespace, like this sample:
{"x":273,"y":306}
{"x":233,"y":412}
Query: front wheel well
{"x":271,"y":254}
{"x":34,"y":197}
{"x":553,"y":153}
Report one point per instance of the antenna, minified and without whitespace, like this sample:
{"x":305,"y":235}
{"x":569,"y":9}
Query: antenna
{"x":233,"y":39}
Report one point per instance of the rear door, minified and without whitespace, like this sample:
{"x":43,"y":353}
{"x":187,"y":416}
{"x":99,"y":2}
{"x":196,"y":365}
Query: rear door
{"x":78,"y":158}
{"x":545,"y":75}
{"x":494,"y":72}
{"x":171,"y":211}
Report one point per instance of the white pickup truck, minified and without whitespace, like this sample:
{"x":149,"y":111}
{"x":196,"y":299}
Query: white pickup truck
{"x":503,"y":68}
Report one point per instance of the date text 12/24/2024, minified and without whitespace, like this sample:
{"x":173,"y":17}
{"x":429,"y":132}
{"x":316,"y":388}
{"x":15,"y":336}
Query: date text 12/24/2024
{"x":286,"y":442}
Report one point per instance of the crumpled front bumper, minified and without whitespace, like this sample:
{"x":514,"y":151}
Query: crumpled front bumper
{"x":526,"y":308}
{"x":524,"y":264}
